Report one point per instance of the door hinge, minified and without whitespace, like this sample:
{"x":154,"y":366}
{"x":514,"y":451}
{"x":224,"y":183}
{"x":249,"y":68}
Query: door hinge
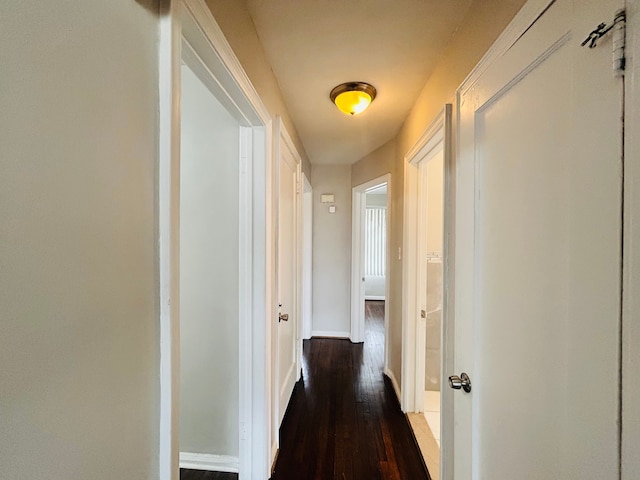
{"x":618,"y":27}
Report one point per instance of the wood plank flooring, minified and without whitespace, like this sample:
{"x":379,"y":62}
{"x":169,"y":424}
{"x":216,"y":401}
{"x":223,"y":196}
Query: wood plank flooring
{"x":343,"y":421}
{"x":198,"y":475}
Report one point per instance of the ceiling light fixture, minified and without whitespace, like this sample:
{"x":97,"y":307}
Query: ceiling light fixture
{"x":353,"y":97}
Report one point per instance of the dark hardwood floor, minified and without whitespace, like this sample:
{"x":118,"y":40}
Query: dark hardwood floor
{"x":344,"y":421}
{"x":198,"y":475}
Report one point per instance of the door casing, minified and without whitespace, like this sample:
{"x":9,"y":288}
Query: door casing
{"x":191,"y":21}
{"x":437,"y":137}
{"x":307,"y":257}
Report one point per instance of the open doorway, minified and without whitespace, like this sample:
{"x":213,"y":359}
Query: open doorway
{"x":427,"y":296}
{"x":370,"y":261}
{"x":431,"y":283}
{"x":213,"y":219}
{"x":209,"y":269}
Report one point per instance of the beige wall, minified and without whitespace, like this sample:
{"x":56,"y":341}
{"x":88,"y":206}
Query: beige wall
{"x":376,"y":164}
{"x":79,"y":346}
{"x":332,"y":251}
{"x":235,"y":21}
{"x":481,"y":27}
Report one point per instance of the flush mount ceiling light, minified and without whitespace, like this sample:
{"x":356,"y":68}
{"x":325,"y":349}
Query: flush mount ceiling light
{"x":353,"y":97}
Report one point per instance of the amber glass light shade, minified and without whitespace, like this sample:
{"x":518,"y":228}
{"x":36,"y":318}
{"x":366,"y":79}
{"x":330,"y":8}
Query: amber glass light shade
{"x":353,"y":97}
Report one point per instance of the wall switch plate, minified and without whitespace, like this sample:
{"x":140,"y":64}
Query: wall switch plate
{"x":332,"y":209}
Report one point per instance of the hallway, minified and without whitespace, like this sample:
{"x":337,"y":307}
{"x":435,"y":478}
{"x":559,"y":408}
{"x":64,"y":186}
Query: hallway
{"x":344,"y":421}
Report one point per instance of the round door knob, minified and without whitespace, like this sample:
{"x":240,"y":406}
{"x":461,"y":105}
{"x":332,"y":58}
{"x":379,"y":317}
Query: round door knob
{"x":460,"y":382}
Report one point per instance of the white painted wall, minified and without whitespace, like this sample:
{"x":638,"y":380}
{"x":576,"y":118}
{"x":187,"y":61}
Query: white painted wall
{"x":332,"y":251}
{"x":79,"y":349}
{"x":208,"y":273}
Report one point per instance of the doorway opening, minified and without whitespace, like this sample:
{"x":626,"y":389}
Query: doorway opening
{"x":209,"y":271}
{"x":427,"y":296}
{"x":431,"y":284}
{"x":214,"y":175}
{"x":370,"y":258}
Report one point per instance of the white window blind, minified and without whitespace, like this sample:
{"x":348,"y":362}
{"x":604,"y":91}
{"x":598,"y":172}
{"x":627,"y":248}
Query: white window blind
{"x":375,"y":235}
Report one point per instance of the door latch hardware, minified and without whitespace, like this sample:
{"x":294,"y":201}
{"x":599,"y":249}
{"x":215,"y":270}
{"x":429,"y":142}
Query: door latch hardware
{"x":602,"y":29}
{"x":423,"y":314}
{"x":283,"y":317}
{"x":460,"y":382}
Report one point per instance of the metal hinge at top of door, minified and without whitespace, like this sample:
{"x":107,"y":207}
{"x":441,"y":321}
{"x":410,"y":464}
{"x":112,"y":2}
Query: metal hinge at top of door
{"x":618,"y":26}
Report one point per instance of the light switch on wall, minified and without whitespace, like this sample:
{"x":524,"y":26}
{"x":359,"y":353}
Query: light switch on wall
{"x":332,"y":209}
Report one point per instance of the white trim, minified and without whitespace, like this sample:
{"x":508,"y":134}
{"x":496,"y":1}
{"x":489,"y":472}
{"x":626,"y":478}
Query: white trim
{"x":307,"y":257}
{"x":531,"y":10}
{"x":357,"y":259}
{"x":394,"y":382}
{"x":208,"y":50}
{"x":330,"y":334}
{"x":234,"y":79}
{"x":630,"y":460}
{"x":245,"y":292}
{"x":432,"y":138}
{"x":168,"y":236}
{"x":209,"y":463}
{"x":437,"y":137}
{"x":374,"y":297}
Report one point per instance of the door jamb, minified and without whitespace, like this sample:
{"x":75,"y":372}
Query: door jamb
{"x":437,"y":135}
{"x":307,"y":249}
{"x":630,"y":333}
{"x":357,"y":257}
{"x":255,"y":242}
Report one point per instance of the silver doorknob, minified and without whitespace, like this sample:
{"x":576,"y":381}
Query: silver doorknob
{"x":460,"y":382}
{"x":283,"y":317}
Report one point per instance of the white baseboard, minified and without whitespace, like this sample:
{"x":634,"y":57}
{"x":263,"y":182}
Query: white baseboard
{"x":208,"y":462}
{"x":330,"y":334}
{"x":394,"y":382}
{"x":374,"y":297}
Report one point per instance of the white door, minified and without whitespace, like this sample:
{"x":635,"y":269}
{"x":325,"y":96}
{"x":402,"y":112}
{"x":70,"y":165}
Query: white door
{"x":287,"y":277}
{"x":537,"y":252}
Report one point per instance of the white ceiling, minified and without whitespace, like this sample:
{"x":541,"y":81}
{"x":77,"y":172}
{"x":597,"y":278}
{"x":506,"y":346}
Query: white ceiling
{"x":314,"y":45}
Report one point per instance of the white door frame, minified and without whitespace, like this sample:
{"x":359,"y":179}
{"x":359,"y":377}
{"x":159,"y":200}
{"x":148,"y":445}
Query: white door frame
{"x":436,"y":138}
{"x":357,"y":261}
{"x":283,"y":141}
{"x":307,"y":257}
{"x":189,"y":25}
{"x":630,"y":333}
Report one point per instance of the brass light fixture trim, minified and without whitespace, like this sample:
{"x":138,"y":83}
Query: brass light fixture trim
{"x":353,"y":87}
